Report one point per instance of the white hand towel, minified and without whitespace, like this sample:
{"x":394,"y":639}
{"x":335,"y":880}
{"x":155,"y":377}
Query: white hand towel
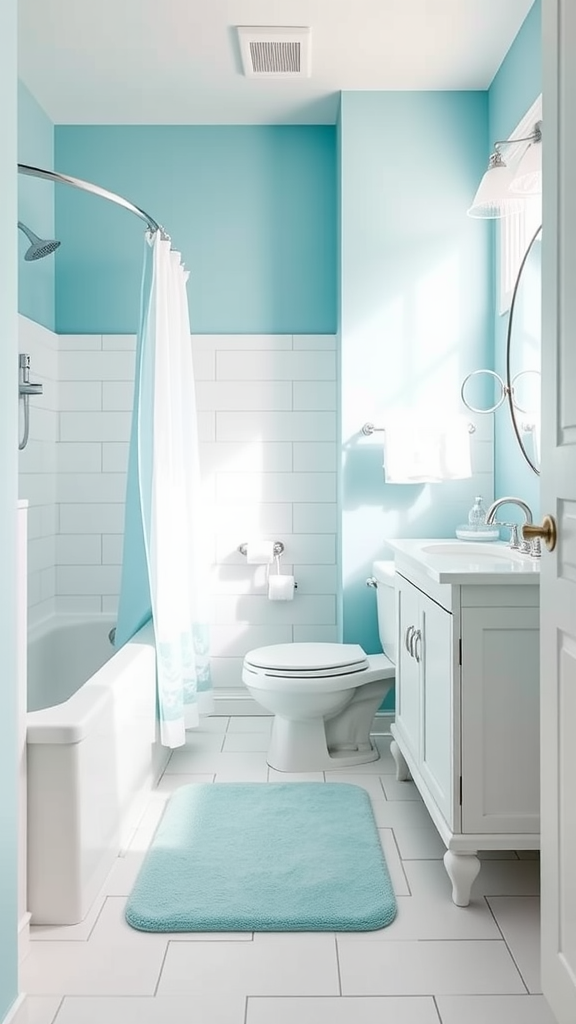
{"x":425,"y":449}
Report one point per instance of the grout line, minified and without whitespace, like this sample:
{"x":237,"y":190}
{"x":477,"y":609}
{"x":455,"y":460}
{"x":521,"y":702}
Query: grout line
{"x":512,"y":957}
{"x":338,"y":965}
{"x":54,"y":1019}
{"x":155,"y":992}
{"x":407,"y":880}
{"x":437,"y":1008}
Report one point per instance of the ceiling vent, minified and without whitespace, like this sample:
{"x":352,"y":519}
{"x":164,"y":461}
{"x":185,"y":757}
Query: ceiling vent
{"x":275,"y":52}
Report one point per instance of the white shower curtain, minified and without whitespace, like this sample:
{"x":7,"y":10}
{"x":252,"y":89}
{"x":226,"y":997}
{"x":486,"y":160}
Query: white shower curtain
{"x":164,"y":573}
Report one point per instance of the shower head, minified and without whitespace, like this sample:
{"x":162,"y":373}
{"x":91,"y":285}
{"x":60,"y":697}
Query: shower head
{"x":40,"y":247}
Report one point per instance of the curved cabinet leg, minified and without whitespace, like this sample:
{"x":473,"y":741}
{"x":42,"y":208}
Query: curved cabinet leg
{"x":402,"y":769}
{"x":462,"y":869}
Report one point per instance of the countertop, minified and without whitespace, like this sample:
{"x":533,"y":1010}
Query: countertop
{"x":468,"y":562}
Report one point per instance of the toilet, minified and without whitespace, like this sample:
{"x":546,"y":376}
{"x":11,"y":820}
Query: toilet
{"x":324,"y":695}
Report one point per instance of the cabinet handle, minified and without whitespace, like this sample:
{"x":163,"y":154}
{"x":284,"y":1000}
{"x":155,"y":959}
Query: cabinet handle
{"x":408,"y":640}
{"x":418,"y":645}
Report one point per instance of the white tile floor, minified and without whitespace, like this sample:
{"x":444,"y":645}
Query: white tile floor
{"x":436,"y":964}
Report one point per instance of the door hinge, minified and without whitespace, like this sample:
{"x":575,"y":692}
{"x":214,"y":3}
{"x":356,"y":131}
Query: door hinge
{"x":460,"y":651}
{"x":460,"y":790}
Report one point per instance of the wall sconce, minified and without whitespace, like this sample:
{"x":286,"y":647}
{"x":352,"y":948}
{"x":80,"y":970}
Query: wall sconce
{"x":503,"y":190}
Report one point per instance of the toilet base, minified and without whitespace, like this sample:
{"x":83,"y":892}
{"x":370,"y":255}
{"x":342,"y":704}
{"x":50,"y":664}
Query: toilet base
{"x":301,"y":747}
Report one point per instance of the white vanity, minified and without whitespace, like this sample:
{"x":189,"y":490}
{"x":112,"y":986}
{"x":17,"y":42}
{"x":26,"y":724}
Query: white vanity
{"x":467,"y":695}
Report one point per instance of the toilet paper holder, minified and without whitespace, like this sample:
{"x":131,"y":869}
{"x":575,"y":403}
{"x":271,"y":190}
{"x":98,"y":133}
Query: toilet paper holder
{"x":278,"y":548}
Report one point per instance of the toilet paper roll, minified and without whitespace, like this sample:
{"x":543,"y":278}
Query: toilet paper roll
{"x":260,"y":552}
{"x":281,"y":588}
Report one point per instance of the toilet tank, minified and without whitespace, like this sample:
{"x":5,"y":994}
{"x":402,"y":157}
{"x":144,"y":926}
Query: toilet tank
{"x":383,"y":573}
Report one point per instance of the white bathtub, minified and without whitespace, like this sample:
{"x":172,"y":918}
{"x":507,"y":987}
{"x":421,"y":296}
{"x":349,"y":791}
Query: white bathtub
{"x":92,"y":757}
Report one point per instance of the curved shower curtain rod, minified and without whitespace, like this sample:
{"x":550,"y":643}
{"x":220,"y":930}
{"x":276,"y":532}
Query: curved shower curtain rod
{"x":87,"y":186}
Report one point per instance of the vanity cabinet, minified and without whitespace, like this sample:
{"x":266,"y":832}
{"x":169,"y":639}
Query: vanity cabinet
{"x":424,"y":688}
{"x":467,"y":714}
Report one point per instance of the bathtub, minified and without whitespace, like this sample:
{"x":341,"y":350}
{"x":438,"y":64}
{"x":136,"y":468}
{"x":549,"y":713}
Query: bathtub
{"x":93,"y":756}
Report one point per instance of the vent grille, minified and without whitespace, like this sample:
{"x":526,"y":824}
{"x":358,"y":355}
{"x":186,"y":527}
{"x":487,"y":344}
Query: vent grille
{"x":275,"y":58}
{"x":276,"y":52}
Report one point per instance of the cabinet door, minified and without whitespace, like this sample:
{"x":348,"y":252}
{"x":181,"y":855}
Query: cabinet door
{"x":500,"y":720}
{"x":407,"y":668}
{"x":438,"y":668}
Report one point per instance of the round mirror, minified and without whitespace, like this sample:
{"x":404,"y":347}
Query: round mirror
{"x":523,"y":353}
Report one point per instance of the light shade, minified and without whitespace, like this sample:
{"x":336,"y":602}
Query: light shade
{"x":494,"y":198}
{"x":527,"y":178}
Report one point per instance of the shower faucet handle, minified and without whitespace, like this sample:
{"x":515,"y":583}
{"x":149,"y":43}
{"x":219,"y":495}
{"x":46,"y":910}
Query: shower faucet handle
{"x":24,"y":365}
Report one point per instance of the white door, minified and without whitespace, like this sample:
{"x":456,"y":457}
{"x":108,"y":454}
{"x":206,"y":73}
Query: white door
{"x":558,"y":495}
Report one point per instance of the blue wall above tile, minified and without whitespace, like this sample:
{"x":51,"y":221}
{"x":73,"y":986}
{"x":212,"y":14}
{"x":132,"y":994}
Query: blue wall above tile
{"x":36,"y":280}
{"x":252,"y":209}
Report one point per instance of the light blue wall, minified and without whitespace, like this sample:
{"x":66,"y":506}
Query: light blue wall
{"x":416,"y":304}
{"x":36,"y":289}
{"x":8,"y":494}
{"x":516,"y":86}
{"x":252,"y":208}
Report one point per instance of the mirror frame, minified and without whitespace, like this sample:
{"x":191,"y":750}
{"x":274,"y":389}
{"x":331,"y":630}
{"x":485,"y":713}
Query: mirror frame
{"x":509,"y":388}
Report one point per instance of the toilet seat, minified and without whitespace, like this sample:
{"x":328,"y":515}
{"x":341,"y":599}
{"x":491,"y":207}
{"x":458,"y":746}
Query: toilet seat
{"x":312,"y":667}
{"x":308,"y":660}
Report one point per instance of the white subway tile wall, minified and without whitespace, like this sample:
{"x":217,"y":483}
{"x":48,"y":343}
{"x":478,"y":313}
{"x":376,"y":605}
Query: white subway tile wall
{"x":96,"y":386}
{"x":267,"y":412}
{"x":273,"y":474}
{"x":37,"y":467}
{"x":269,"y":470}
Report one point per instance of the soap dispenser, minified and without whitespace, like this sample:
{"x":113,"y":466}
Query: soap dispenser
{"x":476,"y":528}
{"x":477,"y":514}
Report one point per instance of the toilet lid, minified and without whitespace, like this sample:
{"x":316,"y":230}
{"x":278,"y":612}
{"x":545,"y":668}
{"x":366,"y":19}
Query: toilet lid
{"x":308,"y":659}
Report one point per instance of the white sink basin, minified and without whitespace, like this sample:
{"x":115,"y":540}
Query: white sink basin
{"x":465,"y":562}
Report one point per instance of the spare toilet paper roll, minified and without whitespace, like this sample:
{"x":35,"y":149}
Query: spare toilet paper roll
{"x":281,"y":588}
{"x":260,"y":552}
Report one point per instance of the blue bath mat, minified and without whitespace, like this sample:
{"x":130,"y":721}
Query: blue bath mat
{"x":297,"y":856}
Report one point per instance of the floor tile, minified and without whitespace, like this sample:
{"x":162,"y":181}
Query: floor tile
{"x":212,"y":723}
{"x":426,"y":844}
{"x":518,"y":918}
{"x":123,"y":873}
{"x":494,"y":1009}
{"x":394,"y":864}
{"x":394,"y":790}
{"x":112,"y":928}
{"x":246,"y":766}
{"x":212,"y":1009}
{"x":419,"y":843}
{"x":38,"y":1010}
{"x":340,"y":1010}
{"x":75,"y":932}
{"x":400,"y":813}
{"x":198,"y":741}
{"x":426,"y":968}
{"x":274,"y":776}
{"x":273,"y":964}
{"x":89,"y":968}
{"x":496,"y":878}
{"x":250,"y":723}
{"x":371,"y":783}
{"x":238,"y":741}
{"x":383,"y":766}
{"x":432,"y":918}
{"x":159,"y":797}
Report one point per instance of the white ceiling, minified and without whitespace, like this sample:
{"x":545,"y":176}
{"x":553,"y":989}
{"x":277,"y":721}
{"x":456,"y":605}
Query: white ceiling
{"x":178,"y":61}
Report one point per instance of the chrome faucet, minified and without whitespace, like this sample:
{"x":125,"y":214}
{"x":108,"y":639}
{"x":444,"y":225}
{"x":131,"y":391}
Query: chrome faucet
{"x":525,"y":546}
